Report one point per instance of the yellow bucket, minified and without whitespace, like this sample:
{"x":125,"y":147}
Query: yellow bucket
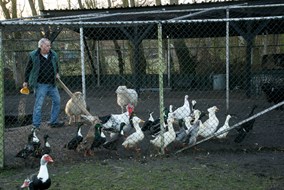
{"x":25,"y":90}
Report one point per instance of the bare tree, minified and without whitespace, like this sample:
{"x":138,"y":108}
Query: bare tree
{"x":9,"y":13}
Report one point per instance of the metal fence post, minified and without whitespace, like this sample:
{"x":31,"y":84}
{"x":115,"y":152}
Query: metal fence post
{"x":98,"y":63}
{"x":227,"y":60}
{"x":2,"y":121}
{"x":82,"y":46}
{"x":161,"y":84}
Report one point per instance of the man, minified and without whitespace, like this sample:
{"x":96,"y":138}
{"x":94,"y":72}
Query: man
{"x":41,"y":73}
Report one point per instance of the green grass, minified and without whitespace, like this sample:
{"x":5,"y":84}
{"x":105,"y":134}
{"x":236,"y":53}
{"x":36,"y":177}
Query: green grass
{"x":154,"y":174}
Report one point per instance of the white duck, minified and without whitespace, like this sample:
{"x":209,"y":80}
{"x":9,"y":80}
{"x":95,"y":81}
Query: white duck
{"x":183,"y":111}
{"x":223,"y":128}
{"x":192,"y":119}
{"x":194,"y":132}
{"x":168,"y":137}
{"x":210,"y":125}
{"x":132,"y":140}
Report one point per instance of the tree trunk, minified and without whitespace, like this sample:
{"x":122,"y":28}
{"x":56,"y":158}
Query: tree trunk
{"x":5,"y":10}
{"x":125,"y":3}
{"x":186,"y":62}
{"x":158,"y":2}
{"x":173,"y":2}
{"x":14,"y":9}
{"x":80,"y":4}
{"x":131,"y":3}
{"x":33,"y":9}
{"x":120,"y":58}
{"x":109,"y":3}
{"x":40,"y":4}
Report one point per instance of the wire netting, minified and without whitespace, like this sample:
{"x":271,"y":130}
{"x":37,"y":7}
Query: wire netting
{"x":191,"y":79}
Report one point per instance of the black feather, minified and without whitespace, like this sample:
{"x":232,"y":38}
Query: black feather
{"x":245,"y":127}
{"x":98,"y":140}
{"x":75,"y":141}
{"x":111,"y":144}
{"x":105,"y":118}
{"x":30,"y":149}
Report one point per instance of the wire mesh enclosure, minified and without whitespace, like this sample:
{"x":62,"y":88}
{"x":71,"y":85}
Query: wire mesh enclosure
{"x":143,"y":88}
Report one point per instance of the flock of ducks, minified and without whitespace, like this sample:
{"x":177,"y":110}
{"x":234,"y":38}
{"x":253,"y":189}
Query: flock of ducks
{"x":108,"y":130}
{"x":182,"y":124}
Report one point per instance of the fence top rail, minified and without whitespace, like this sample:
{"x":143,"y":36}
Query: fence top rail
{"x":99,"y":24}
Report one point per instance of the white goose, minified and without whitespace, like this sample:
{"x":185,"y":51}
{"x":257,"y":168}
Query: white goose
{"x":223,"y":128}
{"x":168,"y":137}
{"x":132,"y":140}
{"x":210,"y":125}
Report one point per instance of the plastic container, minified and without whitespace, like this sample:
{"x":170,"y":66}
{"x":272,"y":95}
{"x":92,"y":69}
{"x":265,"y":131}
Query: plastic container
{"x":219,"y":82}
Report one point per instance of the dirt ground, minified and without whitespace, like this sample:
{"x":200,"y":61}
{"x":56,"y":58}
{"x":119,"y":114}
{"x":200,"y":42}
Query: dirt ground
{"x":262,"y":151}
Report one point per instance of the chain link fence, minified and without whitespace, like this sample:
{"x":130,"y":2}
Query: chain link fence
{"x":189,"y":76}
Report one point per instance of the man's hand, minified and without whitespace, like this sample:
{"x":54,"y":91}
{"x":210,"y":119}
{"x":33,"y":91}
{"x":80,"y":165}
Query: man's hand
{"x":25,"y":84}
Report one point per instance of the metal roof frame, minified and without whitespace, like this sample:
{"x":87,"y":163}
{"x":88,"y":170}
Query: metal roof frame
{"x":178,"y":13}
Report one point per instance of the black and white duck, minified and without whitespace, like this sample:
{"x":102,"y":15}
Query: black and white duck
{"x":113,"y":138}
{"x":153,"y":125}
{"x":115,"y":120}
{"x":41,"y":180}
{"x":148,"y":123}
{"x":32,"y":147}
{"x":46,"y":149}
{"x":75,"y":141}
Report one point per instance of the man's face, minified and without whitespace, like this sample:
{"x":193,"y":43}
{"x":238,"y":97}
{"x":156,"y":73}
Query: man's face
{"x":45,"y":47}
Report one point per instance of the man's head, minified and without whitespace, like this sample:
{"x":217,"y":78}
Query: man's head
{"x":45,"y":45}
